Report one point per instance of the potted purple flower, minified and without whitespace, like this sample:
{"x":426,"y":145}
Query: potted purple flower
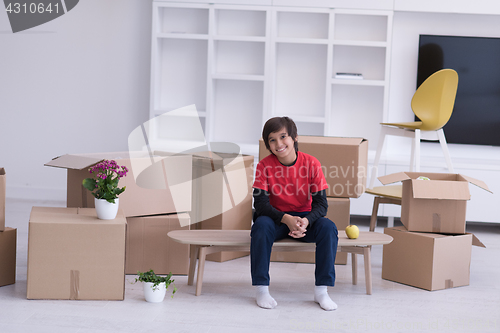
{"x":104,"y":187}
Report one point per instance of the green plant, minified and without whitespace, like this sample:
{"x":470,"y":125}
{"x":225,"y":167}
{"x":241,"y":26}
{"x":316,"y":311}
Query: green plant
{"x":105,"y":186}
{"x":150,"y":276}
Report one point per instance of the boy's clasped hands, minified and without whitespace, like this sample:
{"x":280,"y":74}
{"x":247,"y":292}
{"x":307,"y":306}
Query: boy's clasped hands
{"x":296,"y":224}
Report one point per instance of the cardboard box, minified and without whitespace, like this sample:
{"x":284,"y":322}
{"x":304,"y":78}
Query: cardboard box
{"x":427,"y":260}
{"x":74,"y":255}
{"x":8,"y":247}
{"x":222,"y":195}
{"x":149,"y":247}
{"x":158,"y":184}
{"x":2,"y":198}
{"x":339,"y":213}
{"x":343,"y":160}
{"x":436,"y":205}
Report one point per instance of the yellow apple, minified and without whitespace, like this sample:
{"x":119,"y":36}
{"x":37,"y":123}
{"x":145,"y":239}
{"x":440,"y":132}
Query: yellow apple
{"x":352,"y":231}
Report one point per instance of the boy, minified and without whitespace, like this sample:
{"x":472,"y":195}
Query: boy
{"x":290,"y":201}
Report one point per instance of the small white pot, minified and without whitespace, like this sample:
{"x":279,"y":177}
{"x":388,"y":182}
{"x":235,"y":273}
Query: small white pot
{"x":106,"y":210}
{"x":154,"y":295}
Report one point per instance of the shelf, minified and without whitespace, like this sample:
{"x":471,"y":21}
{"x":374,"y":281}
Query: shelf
{"x":238,"y":109}
{"x":236,"y":57}
{"x":232,"y":22}
{"x":182,"y":20}
{"x":302,"y":41}
{"x":355,"y":27}
{"x":300,"y":79}
{"x":357,"y":82}
{"x":180,"y":73}
{"x":240,"y":38}
{"x":242,"y":77}
{"x":303,"y":25}
{"x":181,"y":36}
{"x":360,"y":43}
{"x":369,"y":61}
{"x":243,"y":64}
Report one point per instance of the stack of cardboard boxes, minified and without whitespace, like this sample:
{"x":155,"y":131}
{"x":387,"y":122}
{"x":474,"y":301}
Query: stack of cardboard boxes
{"x":344,"y":163}
{"x":64,"y":241}
{"x":163,"y":192}
{"x":8,"y":240}
{"x":432,"y":249}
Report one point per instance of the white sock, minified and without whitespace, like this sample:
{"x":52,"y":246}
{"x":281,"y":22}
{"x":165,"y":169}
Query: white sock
{"x":264,"y":299}
{"x":323,"y":299}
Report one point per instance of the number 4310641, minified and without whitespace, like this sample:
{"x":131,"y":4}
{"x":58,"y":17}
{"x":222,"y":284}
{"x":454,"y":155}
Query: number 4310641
{"x":32,"y":8}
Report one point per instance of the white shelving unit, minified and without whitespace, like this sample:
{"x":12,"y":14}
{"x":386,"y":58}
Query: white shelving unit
{"x":241,"y":64}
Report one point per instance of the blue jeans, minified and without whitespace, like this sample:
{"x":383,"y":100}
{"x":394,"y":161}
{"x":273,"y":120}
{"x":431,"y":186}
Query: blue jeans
{"x":265,"y":232}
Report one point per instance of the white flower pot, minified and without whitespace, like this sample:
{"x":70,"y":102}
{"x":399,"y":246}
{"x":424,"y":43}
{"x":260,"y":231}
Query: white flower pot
{"x":154,"y":295}
{"x":106,"y":210}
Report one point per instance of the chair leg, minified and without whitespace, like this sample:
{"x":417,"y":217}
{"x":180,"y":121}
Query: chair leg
{"x":377,"y":157}
{"x":444,"y":147}
{"x":412,"y":154}
{"x":373,"y":219}
{"x":354,"y":268}
{"x":417,"y":150}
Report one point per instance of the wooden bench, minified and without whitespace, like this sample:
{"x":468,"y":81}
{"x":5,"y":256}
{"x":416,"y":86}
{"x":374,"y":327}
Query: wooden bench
{"x":204,"y":242}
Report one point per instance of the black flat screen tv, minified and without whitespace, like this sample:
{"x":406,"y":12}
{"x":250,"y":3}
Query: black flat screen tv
{"x":476,"y":114}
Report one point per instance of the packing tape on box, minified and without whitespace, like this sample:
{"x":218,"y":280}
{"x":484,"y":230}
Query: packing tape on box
{"x":74,"y":284}
{"x":448,"y":284}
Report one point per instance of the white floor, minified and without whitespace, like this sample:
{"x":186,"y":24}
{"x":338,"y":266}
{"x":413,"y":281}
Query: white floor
{"x":227,"y":302}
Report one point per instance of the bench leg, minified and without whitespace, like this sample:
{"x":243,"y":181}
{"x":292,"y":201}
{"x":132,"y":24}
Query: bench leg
{"x":354,"y":268}
{"x":368,"y":269}
{"x":201,"y":268}
{"x":192,"y":263}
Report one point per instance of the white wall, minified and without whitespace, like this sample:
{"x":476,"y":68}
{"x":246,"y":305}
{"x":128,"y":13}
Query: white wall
{"x":77,"y":84}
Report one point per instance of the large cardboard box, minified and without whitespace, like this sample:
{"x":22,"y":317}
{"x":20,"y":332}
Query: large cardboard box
{"x":74,"y":255}
{"x":339,"y":213}
{"x":436,"y":205}
{"x":222,"y":195}
{"x":343,"y":160}
{"x":2,"y":198}
{"x":428,"y":260}
{"x":149,"y":247}
{"x":8,"y":247}
{"x":156,"y":184}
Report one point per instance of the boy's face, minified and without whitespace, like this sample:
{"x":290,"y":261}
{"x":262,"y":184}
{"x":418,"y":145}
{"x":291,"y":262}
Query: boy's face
{"x":282,"y":145}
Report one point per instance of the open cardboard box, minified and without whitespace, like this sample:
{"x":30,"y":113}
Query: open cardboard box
{"x":343,"y":160}
{"x":156,"y":184}
{"x":437,"y":205}
{"x":427,"y":260}
{"x":74,"y":255}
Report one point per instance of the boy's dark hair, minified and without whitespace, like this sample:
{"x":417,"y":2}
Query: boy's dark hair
{"x":277,"y":123}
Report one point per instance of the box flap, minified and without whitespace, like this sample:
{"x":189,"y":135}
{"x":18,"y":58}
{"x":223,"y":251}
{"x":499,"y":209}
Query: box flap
{"x":476,"y":182}
{"x":476,"y":241}
{"x":73,"y":162}
{"x":393,"y":178}
{"x":440,"y":189}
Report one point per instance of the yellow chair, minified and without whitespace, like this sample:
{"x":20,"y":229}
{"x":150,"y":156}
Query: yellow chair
{"x":433,"y":104}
